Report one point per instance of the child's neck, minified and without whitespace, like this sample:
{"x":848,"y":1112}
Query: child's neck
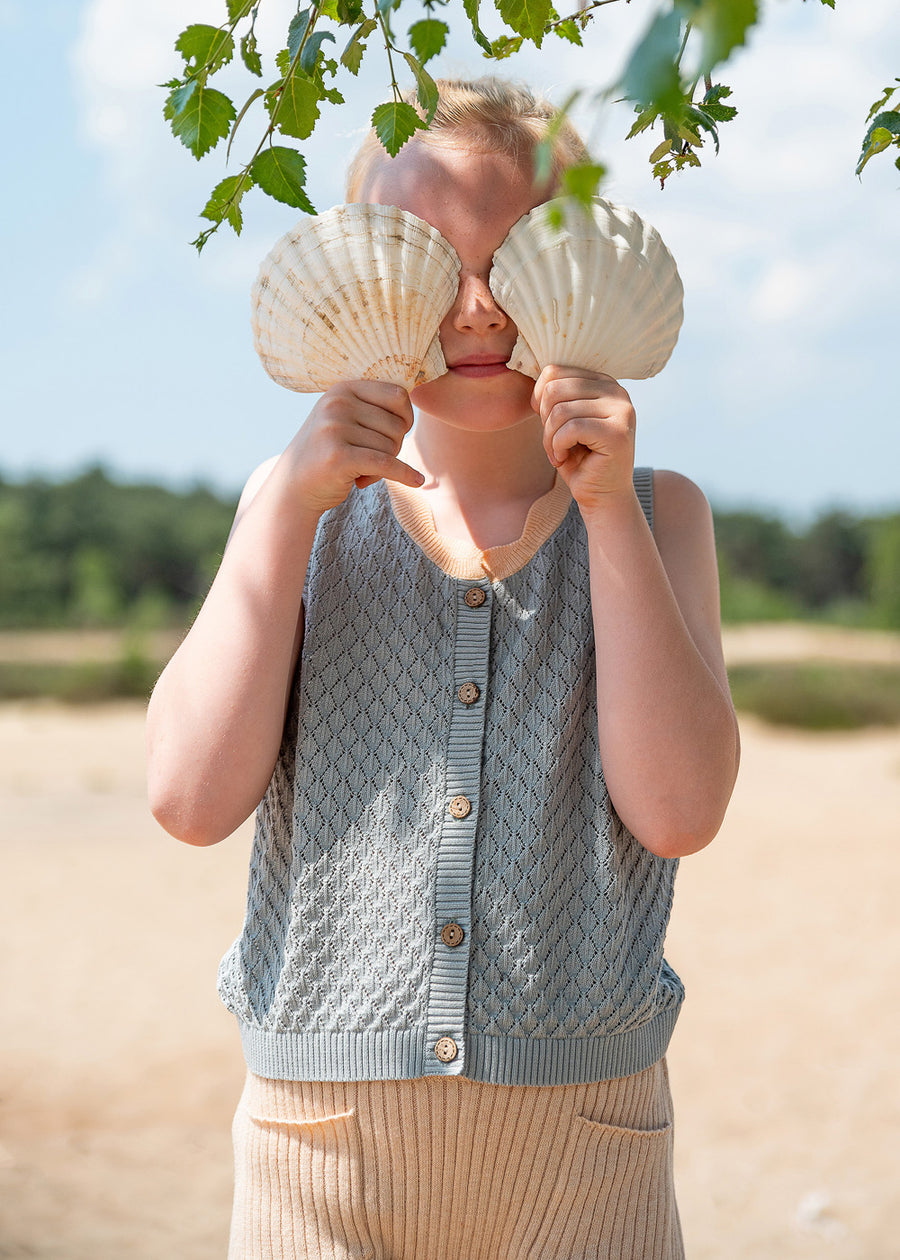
{"x":480,"y":486}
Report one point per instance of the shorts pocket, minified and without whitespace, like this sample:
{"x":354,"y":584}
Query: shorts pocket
{"x":299,"y":1191}
{"x":612,"y":1195}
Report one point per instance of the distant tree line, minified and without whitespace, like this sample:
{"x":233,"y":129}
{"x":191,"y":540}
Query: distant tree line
{"x":92,"y":551}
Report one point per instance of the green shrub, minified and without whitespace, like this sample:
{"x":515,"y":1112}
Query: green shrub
{"x":817,"y":696}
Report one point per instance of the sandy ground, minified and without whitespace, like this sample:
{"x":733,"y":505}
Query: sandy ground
{"x":119,"y":1071}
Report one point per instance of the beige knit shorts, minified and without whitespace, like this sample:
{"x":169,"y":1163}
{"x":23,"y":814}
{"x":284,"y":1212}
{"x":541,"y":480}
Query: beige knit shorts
{"x":443,"y":1168}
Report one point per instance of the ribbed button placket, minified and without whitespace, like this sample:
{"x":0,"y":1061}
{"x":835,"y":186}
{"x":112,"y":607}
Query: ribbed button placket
{"x":453,"y":886}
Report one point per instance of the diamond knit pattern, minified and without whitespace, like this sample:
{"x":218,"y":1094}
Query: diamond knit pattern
{"x":338,"y":931}
{"x":568,"y":906}
{"x":568,"y":910}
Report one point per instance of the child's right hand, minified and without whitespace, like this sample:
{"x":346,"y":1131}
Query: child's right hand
{"x":351,"y":438}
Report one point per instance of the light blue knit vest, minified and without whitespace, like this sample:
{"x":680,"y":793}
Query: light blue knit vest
{"x":439,"y":882}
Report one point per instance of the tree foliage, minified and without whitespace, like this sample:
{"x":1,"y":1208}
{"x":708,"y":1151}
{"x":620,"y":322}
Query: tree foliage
{"x":668,"y":79}
{"x":92,"y":551}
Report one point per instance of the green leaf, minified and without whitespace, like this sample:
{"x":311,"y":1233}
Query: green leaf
{"x":829,"y":3}
{"x":249,"y":54}
{"x":723,"y":25}
{"x":206,"y":47}
{"x":645,"y":118}
{"x":352,"y":55}
{"x":582,"y":180}
{"x":203,"y":121}
{"x":296,"y":31}
{"x":881,"y":102}
{"x":428,"y":38}
{"x":281,"y":172}
{"x":310,"y":54}
{"x":890,"y":120}
{"x":526,"y":17}
{"x":700,"y":118}
{"x":711,"y":103}
{"x":225,"y":200}
{"x":505,"y":46}
{"x":395,"y":122}
{"x":884,"y":131}
{"x":327,"y":9}
{"x":689,"y":135}
{"x":238,"y":9}
{"x":426,"y":88}
{"x":295,"y":108}
{"x":471,"y":11}
{"x":570,"y":30}
{"x":651,"y":75}
{"x":178,"y":98}
{"x":349,"y":11}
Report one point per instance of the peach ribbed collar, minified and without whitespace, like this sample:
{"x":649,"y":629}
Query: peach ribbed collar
{"x":460,"y":559}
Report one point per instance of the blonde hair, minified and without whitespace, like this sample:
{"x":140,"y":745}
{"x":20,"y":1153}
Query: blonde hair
{"x":498,"y":115}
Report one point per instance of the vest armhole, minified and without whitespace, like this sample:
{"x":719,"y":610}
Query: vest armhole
{"x":643,"y":488}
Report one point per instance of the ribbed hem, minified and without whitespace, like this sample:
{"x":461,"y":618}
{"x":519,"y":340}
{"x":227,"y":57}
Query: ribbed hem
{"x":404,"y":1055}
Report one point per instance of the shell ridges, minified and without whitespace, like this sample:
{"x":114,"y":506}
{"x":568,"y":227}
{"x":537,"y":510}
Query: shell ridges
{"x":357,"y":292}
{"x":599,"y":292}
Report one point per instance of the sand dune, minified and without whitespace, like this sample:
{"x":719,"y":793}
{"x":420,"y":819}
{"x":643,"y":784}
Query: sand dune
{"x":119,"y":1071}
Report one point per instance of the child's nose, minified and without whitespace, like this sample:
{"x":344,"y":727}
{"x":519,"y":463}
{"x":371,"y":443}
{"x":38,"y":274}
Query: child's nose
{"x":476,"y":308}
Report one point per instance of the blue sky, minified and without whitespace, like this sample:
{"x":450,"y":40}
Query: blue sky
{"x":120,"y":345}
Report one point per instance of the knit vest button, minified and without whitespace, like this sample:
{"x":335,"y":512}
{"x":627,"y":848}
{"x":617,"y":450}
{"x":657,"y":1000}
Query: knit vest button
{"x":460,"y":807}
{"x":446,"y":1049}
{"x":452,"y":934}
{"x":474,"y":597}
{"x":469,"y":693}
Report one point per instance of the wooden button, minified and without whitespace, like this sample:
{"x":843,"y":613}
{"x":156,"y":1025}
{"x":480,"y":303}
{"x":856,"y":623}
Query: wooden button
{"x":452,"y":934}
{"x":446,"y":1049}
{"x":474,"y":597}
{"x":460,"y":806}
{"x":469,"y":693}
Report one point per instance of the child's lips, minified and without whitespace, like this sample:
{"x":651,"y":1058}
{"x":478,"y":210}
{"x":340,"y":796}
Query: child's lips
{"x":480,"y":365}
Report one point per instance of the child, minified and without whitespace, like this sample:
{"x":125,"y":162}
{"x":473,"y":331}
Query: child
{"x":450,"y":984}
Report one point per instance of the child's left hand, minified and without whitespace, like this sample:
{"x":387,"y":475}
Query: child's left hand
{"x":589,"y":426}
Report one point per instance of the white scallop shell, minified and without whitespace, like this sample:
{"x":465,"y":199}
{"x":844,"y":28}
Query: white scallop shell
{"x":600,"y":292}
{"x":355,"y":293}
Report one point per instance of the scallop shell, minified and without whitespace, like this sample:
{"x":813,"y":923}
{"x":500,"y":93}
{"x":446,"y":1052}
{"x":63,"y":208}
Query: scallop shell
{"x":600,"y":292}
{"x":355,"y":293}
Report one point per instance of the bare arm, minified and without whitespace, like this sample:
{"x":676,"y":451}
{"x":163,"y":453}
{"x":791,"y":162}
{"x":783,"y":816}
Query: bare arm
{"x":668,"y":735}
{"x":217,"y":713}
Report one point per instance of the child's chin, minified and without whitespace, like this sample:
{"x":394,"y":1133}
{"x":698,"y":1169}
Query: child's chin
{"x":503,"y":392}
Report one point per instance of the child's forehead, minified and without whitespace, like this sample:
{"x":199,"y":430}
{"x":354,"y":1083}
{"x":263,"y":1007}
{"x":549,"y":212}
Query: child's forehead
{"x":459,"y":188}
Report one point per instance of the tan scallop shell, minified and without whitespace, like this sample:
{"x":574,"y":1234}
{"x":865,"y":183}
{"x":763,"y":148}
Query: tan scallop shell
{"x":355,"y":293}
{"x":600,"y":292}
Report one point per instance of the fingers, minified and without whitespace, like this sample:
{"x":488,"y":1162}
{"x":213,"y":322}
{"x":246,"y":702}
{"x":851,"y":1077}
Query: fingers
{"x":392,"y":470}
{"x":393,"y":399}
{"x":582,"y":408}
{"x":352,"y":436}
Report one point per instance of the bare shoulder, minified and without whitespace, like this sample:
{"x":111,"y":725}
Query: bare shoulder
{"x":682,"y":519}
{"x":678,"y":501}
